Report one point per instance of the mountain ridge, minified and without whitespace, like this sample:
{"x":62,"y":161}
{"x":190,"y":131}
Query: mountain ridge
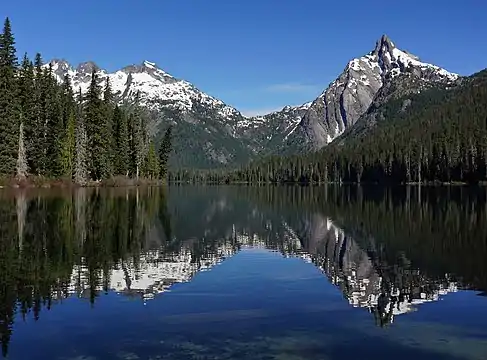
{"x":227,"y":137}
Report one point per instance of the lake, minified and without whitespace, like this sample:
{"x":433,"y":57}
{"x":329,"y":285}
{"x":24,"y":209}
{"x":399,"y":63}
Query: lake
{"x":272,"y":272}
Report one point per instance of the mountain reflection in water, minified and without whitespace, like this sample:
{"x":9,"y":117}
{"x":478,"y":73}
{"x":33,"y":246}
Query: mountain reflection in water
{"x":387,"y":250}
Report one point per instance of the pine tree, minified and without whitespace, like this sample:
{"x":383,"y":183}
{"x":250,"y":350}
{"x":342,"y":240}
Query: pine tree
{"x":68,"y":147}
{"x":81,"y":152}
{"x":22,"y":167}
{"x":36,"y":134}
{"x":152,"y":163}
{"x":138,"y":136}
{"x":121,"y":139}
{"x":68,"y":151}
{"x":54,"y":125}
{"x":27,"y":124}
{"x":68,"y":102}
{"x":93,"y":114}
{"x":164,"y":151}
{"x":9,"y":108}
{"x":109,"y":142}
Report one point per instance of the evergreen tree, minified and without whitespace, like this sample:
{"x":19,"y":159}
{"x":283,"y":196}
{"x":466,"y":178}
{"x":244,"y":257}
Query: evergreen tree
{"x":138,"y":136}
{"x":9,"y":107}
{"x":164,"y":151}
{"x":53,"y":124}
{"x":109,"y":142}
{"x":81,"y":171}
{"x":68,"y":152}
{"x":68,"y":148}
{"x":152,"y":164}
{"x":36,"y":134}
{"x":22,"y":167}
{"x":27,"y":118}
{"x":95,"y":128}
{"x":121,"y":139}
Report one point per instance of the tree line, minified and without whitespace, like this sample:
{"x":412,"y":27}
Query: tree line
{"x":48,"y":132}
{"x":441,"y":137}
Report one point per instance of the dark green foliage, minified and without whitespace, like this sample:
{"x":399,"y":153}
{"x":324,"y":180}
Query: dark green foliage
{"x":441,"y":137}
{"x":54,"y":127}
{"x":164,"y":151}
{"x":9,"y":105}
{"x":121,"y":140}
{"x":45,"y":131}
{"x":93,"y":112}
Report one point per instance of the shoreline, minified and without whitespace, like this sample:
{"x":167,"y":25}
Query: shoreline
{"x":47,"y":183}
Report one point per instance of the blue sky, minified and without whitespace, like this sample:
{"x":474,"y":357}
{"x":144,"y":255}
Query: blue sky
{"x":257,"y":55}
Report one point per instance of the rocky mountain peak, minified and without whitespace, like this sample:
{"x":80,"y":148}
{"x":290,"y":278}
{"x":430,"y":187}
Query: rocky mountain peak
{"x":384,"y":44}
{"x":351,"y":94}
{"x":87,"y":67}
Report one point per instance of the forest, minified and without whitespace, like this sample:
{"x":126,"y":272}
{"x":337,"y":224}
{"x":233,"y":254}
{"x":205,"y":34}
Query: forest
{"x":48,"y":133}
{"x":440,"y":138}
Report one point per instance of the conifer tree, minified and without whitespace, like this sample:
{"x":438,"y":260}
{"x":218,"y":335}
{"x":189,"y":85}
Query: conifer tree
{"x":9,"y":108}
{"x":121,"y":139}
{"x":164,"y":151}
{"x":27,"y":118}
{"x":54,"y":125}
{"x":68,"y":147}
{"x":152,"y":163}
{"x":93,"y":115}
{"x":137,"y":137}
{"x":36,"y":135}
{"x":68,"y":151}
{"x":109,"y":143}
{"x":81,"y":172}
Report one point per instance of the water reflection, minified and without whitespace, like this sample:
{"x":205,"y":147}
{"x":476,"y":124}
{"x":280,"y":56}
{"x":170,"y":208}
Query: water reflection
{"x":387,"y":251}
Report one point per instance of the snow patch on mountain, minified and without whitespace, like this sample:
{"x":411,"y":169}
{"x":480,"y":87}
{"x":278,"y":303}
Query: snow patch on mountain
{"x":155,"y":86}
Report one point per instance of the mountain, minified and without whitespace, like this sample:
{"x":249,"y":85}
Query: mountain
{"x":208,"y":133}
{"x":385,"y":72}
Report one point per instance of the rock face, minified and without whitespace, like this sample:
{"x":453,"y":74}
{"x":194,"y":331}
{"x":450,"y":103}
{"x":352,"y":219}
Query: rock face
{"x":352,"y":93}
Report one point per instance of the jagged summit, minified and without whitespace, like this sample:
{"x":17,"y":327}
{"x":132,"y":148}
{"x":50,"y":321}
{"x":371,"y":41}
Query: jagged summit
{"x":87,"y":67}
{"x":350,"y":95}
{"x":383,"y":43}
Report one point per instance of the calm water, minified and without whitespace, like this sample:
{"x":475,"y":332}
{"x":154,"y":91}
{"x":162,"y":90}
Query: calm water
{"x":244,"y":273}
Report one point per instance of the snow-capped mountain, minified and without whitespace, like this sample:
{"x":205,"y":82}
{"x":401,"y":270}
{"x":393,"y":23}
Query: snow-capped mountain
{"x":209,"y":133}
{"x":154,"y":84}
{"x":348,"y":97}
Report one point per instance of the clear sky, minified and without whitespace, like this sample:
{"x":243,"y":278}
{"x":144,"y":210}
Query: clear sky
{"x":256,"y":55}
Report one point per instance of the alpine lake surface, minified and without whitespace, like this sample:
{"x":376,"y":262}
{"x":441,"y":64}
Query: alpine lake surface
{"x":242,"y":272}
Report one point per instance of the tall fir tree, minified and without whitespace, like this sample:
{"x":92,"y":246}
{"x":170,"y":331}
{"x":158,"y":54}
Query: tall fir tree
{"x":95,"y":129}
{"x":152,"y":163}
{"x":164,"y":151}
{"x":137,"y":136}
{"x":9,"y":105}
{"x":109,"y":144}
{"x":121,"y":139}
{"x":27,"y":106}
{"x":81,"y":170}
{"x":68,"y":148}
{"x":54,"y":125}
{"x":36,"y":135}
